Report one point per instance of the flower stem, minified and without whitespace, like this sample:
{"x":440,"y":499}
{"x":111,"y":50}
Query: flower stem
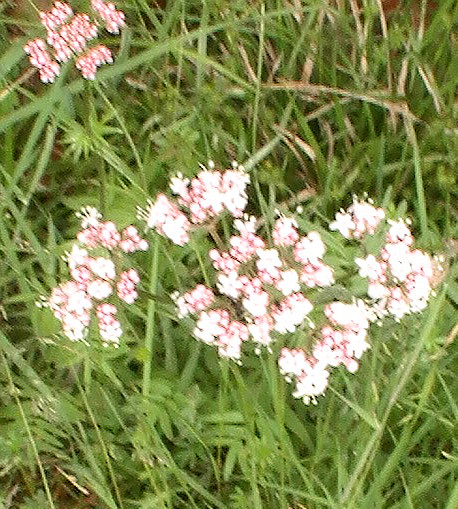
{"x":150,"y":320}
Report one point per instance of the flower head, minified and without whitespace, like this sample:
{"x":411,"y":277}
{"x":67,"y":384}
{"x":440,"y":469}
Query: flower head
{"x":95,"y":279}
{"x":265,"y":286}
{"x":68,"y":36}
{"x":360,"y":218}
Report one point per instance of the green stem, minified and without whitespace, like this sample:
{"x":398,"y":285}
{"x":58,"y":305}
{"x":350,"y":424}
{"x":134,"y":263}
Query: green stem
{"x":123,"y":126}
{"x":150,"y":320}
{"x":87,"y":371}
{"x":103,"y":445}
{"x":257,"y":96}
{"x":201,"y":263}
{"x":421,"y":201}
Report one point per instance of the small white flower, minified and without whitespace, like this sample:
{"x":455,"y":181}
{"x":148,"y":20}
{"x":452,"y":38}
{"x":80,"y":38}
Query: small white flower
{"x":343,"y":223}
{"x":102,"y":267}
{"x":269,"y":260}
{"x":369,"y":267}
{"x":256,"y":303}
{"x":179,"y":185}
{"x":99,"y":289}
{"x":76,"y":257}
{"x":229,"y":284}
{"x":311,"y":383}
{"x":289,"y":282}
{"x":89,"y":216}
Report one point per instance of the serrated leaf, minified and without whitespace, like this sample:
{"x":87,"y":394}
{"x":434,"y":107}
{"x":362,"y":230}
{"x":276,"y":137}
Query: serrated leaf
{"x":44,"y":322}
{"x":165,"y":424}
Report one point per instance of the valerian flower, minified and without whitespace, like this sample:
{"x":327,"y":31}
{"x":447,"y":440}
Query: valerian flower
{"x":95,"y":279}
{"x":67,"y":36}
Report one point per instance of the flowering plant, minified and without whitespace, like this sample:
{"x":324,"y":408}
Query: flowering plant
{"x":268,"y":282}
{"x":273,"y":287}
{"x":94,"y":264}
{"x":68,"y":35}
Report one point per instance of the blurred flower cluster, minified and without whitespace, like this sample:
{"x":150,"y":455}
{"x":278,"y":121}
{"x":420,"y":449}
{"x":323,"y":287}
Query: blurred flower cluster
{"x":200,"y":199}
{"x":94,"y":264}
{"x":399,"y":276}
{"x":68,"y":34}
{"x":266,"y":283}
{"x":268,"y":280}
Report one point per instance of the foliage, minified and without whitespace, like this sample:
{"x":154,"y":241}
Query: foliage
{"x":319,"y":103}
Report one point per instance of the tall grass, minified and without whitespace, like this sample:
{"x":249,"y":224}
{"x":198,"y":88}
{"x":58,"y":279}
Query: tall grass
{"x":313,"y":96}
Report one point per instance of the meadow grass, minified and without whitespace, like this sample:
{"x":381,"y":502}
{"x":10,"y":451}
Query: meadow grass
{"x":319,"y":101}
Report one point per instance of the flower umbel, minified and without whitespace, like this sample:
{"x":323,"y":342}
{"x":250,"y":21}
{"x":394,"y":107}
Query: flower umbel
{"x":399,"y":277}
{"x":68,"y":34}
{"x":265,"y":285}
{"x":95,"y":278}
{"x":359,"y":219}
{"x":200,"y":199}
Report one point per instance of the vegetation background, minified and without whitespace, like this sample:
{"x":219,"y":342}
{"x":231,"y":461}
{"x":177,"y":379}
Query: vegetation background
{"x":321,"y":99}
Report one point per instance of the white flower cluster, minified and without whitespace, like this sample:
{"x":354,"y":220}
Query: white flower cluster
{"x":399,"y":277}
{"x":262,"y":283}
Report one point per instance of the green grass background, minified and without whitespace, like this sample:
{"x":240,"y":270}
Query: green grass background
{"x":320,"y":101}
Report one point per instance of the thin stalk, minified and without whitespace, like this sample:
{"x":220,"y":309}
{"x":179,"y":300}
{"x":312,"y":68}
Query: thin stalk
{"x":421,"y":202}
{"x":124,"y":129}
{"x":14,"y":392}
{"x":148,"y":469}
{"x":103,"y":187}
{"x":404,"y":374}
{"x":150,"y":320}
{"x":87,"y":370}
{"x":257,"y":96}
{"x":100,"y":438}
{"x":201,"y":263}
